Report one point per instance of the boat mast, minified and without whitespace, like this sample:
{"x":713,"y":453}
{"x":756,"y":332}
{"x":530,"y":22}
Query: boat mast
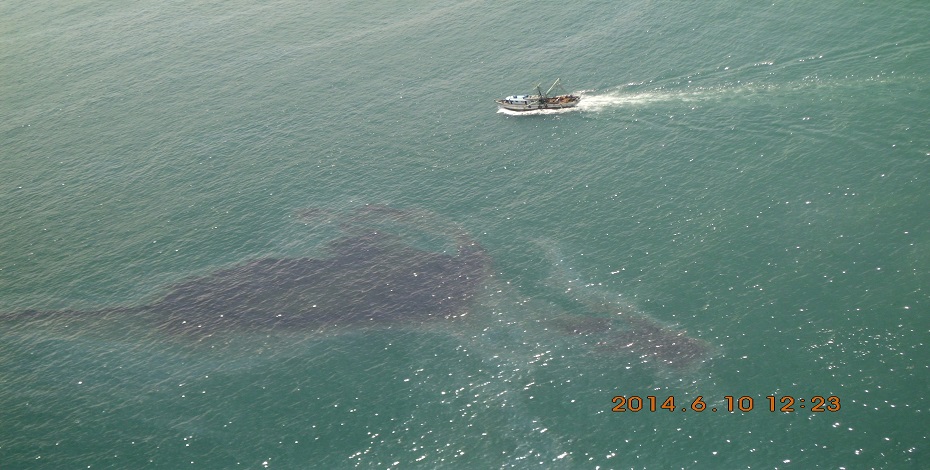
{"x":553,"y":86}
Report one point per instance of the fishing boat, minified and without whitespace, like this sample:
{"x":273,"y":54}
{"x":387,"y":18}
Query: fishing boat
{"x":540,"y":100}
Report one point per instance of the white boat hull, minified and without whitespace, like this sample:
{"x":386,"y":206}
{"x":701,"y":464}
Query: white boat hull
{"x":540,"y":100}
{"x":514,"y":105}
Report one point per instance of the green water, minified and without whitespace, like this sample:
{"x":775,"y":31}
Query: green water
{"x":756,"y":175}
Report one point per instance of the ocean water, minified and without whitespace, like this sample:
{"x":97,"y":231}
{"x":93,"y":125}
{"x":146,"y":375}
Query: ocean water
{"x":757,"y":175}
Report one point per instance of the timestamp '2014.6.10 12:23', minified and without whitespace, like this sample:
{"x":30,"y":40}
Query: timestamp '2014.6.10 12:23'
{"x":745,"y":404}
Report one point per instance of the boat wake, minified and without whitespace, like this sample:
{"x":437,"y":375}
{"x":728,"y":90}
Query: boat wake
{"x":636,"y":95}
{"x":681,"y":90}
{"x":609,"y":100}
{"x":599,"y":102}
{"x":592,"y":101}
{"x":595,"y":102}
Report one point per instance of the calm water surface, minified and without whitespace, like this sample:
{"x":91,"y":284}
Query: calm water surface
{"x":755,"y":175}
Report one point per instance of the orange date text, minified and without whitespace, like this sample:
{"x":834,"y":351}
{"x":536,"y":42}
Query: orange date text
{"x":730,"y":404}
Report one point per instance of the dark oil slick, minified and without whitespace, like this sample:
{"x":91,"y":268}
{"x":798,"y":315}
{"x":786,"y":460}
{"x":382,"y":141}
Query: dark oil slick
{"x":370,"y":275}
{"x":641,"y":336}
{"x":375,"y":274}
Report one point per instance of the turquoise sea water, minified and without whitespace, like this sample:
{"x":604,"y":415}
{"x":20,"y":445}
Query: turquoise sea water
{"x":755,"y":174}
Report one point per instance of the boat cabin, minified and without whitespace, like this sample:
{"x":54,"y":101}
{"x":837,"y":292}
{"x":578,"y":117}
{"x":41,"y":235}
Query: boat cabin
{"x":516,"y":99}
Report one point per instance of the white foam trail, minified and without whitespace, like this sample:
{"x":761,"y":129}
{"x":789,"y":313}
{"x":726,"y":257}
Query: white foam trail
{"x":632,"y":95}
{"x":615,"y":99}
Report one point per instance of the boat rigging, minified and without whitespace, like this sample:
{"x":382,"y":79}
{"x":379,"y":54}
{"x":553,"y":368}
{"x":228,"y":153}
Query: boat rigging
{"x":540,"y":100}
